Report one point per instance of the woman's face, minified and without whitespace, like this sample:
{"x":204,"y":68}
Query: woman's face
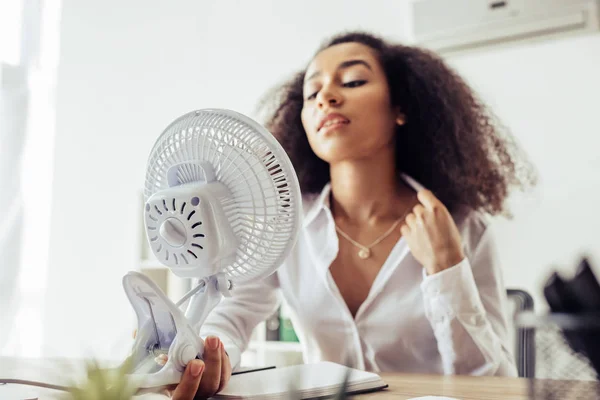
{"x":347,"y":112}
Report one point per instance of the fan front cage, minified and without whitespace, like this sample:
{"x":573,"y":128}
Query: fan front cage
{"x":264,"y":206}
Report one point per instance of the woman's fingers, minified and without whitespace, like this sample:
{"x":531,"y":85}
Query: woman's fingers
{"x":428,"y":199}
{"x":190,"y":380}
{"x":411,"y":221}
{"x":225,"y":368}
{"x":203,"y":378}
{"x":211,"y":378}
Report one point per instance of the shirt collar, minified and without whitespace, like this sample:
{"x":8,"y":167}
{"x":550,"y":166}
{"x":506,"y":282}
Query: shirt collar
{"x":318,"y":204}
{"x":321,"y":201}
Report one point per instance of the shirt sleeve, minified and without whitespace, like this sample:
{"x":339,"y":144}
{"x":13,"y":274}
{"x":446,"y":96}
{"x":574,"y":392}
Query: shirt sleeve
{"x":466,"y":306}
{"x":234,"y":318}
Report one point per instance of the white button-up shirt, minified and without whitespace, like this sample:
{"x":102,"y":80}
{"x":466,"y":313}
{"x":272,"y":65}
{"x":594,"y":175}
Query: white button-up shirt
{"x":452,"y":322}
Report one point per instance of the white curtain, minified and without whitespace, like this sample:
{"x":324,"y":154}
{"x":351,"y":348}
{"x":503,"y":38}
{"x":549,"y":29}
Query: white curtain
{"x":28,"y":55}
{"x":13,"y":106}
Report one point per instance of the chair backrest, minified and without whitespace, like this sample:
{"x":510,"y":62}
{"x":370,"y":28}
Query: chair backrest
{"x":524,"y":340}
{"x":555,"y":359}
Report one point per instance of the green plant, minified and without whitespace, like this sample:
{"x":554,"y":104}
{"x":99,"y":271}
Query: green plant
{"x":103,"y":384}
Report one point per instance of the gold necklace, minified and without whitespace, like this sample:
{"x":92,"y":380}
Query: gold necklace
{"x":365,"y":251}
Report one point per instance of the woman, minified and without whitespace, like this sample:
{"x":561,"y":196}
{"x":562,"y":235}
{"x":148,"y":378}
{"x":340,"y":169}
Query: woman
{"x":394,"y":269}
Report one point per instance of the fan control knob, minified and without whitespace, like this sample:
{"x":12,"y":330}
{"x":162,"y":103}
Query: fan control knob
{"x":173,"y":231}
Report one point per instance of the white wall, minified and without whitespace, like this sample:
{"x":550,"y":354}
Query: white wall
{"x":548,"y":93}
{"x":128,"y":68}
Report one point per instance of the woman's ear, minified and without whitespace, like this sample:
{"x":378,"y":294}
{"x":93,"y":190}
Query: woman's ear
{"x":401,"y":119}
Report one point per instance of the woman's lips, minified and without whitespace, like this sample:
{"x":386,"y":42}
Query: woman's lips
{"x":331,"y":121}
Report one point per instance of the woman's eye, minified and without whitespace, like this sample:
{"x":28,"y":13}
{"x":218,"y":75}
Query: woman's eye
{"x":350,"y":84}
{"x":355,"y":83}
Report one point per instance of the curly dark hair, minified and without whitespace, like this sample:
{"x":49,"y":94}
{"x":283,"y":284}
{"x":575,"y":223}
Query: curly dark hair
{"x":451,"y":142}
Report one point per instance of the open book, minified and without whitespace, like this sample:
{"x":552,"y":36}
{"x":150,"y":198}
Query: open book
{"x":305,"y":381}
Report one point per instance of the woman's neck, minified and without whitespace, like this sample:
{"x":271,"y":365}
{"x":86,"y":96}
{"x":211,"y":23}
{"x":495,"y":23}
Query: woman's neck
{"x":368,"y":191}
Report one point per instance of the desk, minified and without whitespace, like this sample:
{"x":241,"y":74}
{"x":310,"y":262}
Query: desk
{"x":407,"y":386}
{"x":401,"y":386}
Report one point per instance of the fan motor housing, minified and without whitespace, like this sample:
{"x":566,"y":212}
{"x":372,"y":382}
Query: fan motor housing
{"x":187,"y":229}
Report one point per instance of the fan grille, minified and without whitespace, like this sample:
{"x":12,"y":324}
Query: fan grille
{"x":264,"y":210}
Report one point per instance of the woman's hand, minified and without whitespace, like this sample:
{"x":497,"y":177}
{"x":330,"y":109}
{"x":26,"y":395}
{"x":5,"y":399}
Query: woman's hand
{"x":432,"y":235}
{"x":203,"y":379}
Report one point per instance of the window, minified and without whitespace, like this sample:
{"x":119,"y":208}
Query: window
{"x":28,"y":58}
{"x":11,"y":23}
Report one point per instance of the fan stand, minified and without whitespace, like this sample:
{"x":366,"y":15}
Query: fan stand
{"x":164,"y":329}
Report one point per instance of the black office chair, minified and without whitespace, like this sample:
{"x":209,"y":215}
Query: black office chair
{"x":524,"y":338}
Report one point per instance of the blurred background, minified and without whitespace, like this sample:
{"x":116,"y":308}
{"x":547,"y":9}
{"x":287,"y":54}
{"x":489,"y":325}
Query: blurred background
{"x":87,"y":87}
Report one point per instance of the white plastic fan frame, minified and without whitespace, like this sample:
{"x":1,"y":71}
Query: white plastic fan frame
{"x":189,"y":227}
{"x":220,"y":186}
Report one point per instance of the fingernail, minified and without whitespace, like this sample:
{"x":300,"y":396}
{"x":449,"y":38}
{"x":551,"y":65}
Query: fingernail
{"x":197,"y":368}
{"x":161,"y":359}
{"x":213,"y":342}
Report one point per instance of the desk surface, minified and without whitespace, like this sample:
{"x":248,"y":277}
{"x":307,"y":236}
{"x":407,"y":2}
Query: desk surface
{"x":408,"y":386}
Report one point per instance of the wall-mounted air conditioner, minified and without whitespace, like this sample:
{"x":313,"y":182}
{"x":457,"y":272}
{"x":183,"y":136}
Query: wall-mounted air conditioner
{"x":449,"y":26}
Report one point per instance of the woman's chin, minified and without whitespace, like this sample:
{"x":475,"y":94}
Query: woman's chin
{"x":336,"y":154}
{"x":343,"y":147}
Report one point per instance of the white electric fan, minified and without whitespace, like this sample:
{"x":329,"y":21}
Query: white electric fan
{"x":222,"y":204}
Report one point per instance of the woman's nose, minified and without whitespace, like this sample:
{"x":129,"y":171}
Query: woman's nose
{"x":329,"y":97}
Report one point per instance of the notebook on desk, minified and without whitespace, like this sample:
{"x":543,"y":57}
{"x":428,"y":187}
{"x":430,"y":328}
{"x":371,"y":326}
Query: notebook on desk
{"x":308,"y":381}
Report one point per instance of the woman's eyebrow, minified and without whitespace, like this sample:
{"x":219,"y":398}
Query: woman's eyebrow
{"x":343,"y":64}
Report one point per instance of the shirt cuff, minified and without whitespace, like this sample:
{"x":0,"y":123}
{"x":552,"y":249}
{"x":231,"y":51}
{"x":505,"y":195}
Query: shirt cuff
{"x":451,"y":292}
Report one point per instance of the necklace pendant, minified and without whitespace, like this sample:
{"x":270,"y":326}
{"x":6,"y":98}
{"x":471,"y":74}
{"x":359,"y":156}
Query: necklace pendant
{"x":364,"y":253}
